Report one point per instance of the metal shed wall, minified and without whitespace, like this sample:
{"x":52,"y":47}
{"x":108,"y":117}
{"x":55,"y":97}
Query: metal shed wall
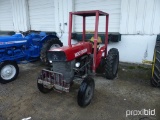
{"x":6,"y":19}
{"x":42,"y":15}
{"x":113,"y":7}
{"x":20,"y":15}
{"x":140,"y":17}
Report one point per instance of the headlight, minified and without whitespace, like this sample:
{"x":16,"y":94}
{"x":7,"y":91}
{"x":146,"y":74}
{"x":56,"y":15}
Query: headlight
{"x":50,"y":61}
{"x":77,"y":64}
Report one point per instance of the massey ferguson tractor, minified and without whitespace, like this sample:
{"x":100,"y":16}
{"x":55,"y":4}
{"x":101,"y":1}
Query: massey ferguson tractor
{"x":79,"y":62}
{"x":22,"y":48}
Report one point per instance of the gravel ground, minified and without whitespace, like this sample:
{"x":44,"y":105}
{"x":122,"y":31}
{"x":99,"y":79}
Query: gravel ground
{"x":131,"y":90}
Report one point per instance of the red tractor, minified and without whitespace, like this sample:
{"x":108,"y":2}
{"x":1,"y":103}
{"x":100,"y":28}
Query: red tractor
{"x":79,"y":62}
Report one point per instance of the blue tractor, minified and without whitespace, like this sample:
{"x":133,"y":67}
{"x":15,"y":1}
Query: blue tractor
{"x":24,"y":47}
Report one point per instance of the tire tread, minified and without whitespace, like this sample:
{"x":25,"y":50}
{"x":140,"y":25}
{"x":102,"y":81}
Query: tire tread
{"x":113,"y":54}
{"x":45,"y":48}
{"x":155,"y":80}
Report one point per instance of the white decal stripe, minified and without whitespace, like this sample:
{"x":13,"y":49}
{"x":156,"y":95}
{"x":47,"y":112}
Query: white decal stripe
{"x":20,"y":41}
{"x":80,"y":52}
{"x":12,"y":42}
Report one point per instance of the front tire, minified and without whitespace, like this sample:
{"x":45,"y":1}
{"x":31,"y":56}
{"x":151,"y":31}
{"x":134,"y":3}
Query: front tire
{"x":43,"y":89}
{"x":111,"y":65}
{"x":51,"y":43}
{"x":9,"y":71}
{"x":155,"y":79}
{"x":86,"y":91}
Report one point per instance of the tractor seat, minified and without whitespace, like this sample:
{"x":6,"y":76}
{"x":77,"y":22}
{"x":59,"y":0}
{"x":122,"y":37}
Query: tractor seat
{"x":98,"y":41}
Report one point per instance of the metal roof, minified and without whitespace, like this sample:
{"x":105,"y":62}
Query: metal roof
{"x":90,"y":13}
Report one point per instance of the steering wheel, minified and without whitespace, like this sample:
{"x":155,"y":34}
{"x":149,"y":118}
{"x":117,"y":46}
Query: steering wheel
{"x":28,"y":32}
{"x":25,"y":33}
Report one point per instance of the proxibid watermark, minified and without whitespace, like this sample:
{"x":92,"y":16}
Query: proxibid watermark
{"x":148,"y":112}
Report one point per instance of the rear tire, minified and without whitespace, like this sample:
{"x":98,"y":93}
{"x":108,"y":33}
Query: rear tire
{"x":155,"y":79}
{"x":86,"y":91}
{"x":51,"y":43}
{"x":112,"y":62}
{"x":9,"y":71}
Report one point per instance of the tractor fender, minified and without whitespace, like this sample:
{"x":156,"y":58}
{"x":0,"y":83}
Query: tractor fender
{"x":99,"y":55}
{"x":44,"y":39}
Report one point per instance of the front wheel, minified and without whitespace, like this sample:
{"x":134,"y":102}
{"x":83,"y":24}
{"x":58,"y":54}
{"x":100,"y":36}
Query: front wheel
{"x":42,"y":88}
{"x":112,"y":62}
{"x":8,"y":71}
{"x":86,"y":91}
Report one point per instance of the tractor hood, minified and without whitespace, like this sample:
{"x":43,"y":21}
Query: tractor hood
{"x":68,"y":53}
{"x":10,"y":38}
{"x":6,"y":41}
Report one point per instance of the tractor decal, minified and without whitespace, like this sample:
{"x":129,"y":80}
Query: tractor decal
{"x":20,"y":41}
{"x":80,"y":52}
{"x":12,"y":42}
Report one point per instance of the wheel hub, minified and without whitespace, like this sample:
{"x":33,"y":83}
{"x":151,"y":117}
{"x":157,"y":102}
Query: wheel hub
{"x":8,"y":72}
{"x":88,"y":93}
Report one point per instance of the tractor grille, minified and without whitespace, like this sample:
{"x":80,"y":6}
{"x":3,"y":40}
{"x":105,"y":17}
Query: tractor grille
{"x":66,"y":68}
{"x":54,"y":80}
{"x":59,"y":77}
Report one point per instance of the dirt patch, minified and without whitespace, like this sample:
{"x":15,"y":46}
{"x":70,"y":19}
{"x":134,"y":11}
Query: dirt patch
{"x":130,"y":91}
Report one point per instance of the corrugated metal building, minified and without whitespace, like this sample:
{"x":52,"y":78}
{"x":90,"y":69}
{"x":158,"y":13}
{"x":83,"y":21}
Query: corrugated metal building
{"x":138,"y":21}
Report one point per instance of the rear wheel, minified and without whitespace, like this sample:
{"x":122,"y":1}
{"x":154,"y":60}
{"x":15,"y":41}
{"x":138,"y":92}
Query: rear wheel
{"x":155,"y":80}
{"x":51,"y":43}
{"x":112,"y":62}
{"x":86,"y":91}
{"x":9,"y":71}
